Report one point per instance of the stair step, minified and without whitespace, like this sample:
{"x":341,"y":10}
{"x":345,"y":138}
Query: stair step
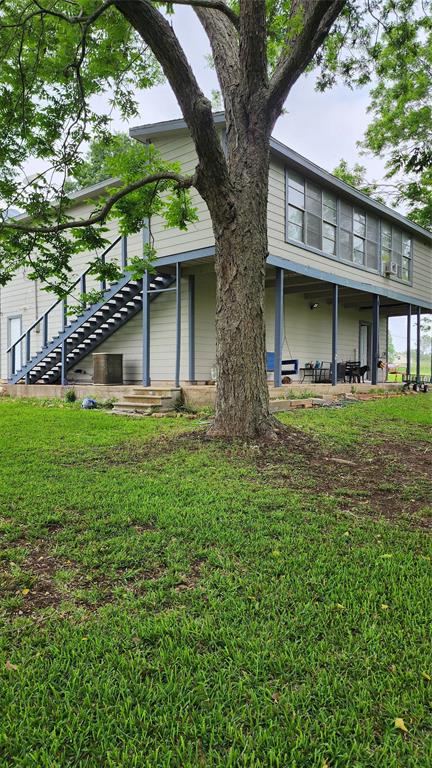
{"x":156,"y":391}
{"x":150,"y":399}
{"x":140,"y":407}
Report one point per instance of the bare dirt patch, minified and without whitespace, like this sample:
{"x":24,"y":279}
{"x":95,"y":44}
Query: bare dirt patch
{"x":383,"y":479}
{"x":192,"y":578}
{"x":34,"y":582}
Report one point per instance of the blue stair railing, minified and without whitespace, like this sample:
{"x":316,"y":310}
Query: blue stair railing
{"x":43,"y":320}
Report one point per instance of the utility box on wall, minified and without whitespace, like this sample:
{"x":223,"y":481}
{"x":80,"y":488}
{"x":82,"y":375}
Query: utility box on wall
{"x":107,"y":369}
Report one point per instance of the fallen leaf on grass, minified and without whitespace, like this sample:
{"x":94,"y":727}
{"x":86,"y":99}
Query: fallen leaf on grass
{"x":426,"y":676}
{"x":400,"y":725}
{"x":384,"y":607}
{"x":25,"y":591}
{"x":11,"y":667}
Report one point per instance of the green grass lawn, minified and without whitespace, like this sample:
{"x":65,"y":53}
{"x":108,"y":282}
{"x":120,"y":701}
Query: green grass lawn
{"x":167,"y":601}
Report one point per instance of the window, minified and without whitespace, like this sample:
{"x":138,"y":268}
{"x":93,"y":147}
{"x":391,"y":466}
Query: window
{"x":295,"y":223}
{"x":386,"y":243}
{"x":396,"y":248}
{"x":372,"y":240}
{"x":346,"y":236}
{"x":296,"y":205}
{"x":359,"y":250}
{"x":406,"y":257}
{"x":317,"y":218}
{"x":329,"y":214}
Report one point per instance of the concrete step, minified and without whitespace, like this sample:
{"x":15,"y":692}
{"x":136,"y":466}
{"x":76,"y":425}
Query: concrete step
{"x":161,"y":391}
{"x":127,"y":407}
{"x":150,"y":399}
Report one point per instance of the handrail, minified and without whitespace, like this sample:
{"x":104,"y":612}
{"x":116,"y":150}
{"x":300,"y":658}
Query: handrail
{"x":44,"y":315}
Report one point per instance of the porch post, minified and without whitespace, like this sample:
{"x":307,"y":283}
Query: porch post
{"x":418,"y":345}
{"x":178,"y":324}
{"x":279,"y":325}
{"x":146,"y":329}
{"x":335,"y":318}
{"x":408,"y":365}
{"x":123,"y":252}
{"x":375,"y":337}
{"x":63,"y":350}
{"x":191,"y":327}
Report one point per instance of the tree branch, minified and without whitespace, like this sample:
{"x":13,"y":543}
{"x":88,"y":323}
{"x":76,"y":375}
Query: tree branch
{"x":42,"y":11}
{"x":196,"y":108}
{"x":253,"y":50}
{"x":225,"y":49}
{"x":216,"y":5}
{"x":318,"y":16}
{"x":182,"y":182}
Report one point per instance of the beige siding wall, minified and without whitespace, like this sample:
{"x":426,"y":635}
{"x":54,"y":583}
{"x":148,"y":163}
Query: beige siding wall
{"x":180,"y":148}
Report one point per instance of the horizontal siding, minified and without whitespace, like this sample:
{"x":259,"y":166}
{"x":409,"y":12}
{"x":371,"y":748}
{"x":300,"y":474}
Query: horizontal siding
{"x":199,"y":235}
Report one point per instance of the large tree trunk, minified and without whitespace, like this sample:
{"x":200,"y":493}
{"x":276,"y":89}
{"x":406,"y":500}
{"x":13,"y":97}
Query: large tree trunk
{"x":242,"y":400}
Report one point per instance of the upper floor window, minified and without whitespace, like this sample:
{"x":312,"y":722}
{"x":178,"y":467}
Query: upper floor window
{"x":396,"y":247}
{"x":337,"y":228}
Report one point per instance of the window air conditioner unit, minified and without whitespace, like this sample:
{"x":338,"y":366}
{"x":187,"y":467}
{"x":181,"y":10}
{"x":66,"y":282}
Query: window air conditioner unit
{"x":391,"y":268}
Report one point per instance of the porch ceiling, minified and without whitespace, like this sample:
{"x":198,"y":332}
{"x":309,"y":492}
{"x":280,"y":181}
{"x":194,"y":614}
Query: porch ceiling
{"x":321,"y":291}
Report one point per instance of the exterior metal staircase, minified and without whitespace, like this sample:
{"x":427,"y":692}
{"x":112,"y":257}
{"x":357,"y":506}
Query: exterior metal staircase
{"x":119,"y":303}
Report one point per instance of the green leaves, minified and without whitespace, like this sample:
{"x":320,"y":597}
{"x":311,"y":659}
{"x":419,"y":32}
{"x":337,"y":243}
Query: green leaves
{"x":390,"y":47}
{"x":57,"y":61}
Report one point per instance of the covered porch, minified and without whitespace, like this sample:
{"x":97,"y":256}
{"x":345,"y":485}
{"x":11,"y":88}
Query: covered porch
{"x":373,"y":309}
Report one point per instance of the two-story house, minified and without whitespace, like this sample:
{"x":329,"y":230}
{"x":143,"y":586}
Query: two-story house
{"x":339,"y":265}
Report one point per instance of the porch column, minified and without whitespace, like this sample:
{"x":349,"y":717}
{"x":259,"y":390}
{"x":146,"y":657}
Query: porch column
{"x":408,"y":365}
{"x":146,"y":329}
{"x":418,"y":345}
{"x":63,"y":351}
{"x":375,"y":337}
{"x":279,"y":326}
{"x":191,"y":328}
{"x":178,"y":324}
{"x":123,"y":252}
{"x":335,"y":318}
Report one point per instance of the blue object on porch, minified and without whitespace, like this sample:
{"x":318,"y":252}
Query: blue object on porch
{"x":88,"y":403}
{"x":270,"y":360}
{"x":270,"y":363}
